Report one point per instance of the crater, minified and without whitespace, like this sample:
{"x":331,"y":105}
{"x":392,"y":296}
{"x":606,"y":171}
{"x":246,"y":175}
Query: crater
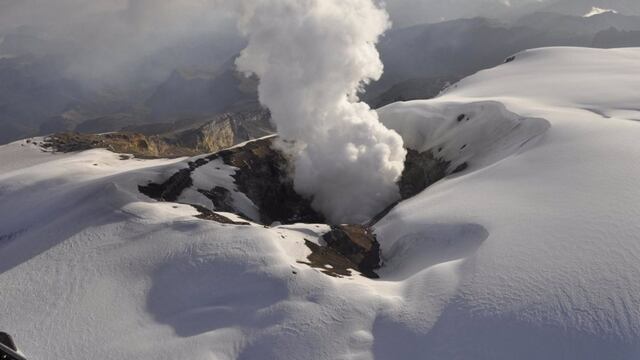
{"x":261,"y":173}
{"x":441,"y":142}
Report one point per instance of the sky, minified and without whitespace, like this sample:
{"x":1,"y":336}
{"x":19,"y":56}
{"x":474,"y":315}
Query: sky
{"x":103,"y":35}
{"x":64,"y":12}
{"x":108,"y":33}
{"x":412,"y":12}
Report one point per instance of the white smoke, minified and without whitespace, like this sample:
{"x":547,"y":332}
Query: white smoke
{"x":312,"y":58}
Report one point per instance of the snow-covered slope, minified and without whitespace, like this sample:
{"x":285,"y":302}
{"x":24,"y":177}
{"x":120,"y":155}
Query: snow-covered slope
{"x":550,"y":271}
{"x":532,"y":252}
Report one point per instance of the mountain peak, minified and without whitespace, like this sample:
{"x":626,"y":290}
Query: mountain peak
{"x":598,"y":10}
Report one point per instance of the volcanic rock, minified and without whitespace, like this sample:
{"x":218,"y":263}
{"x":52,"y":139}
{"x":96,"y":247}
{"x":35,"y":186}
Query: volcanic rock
{"x":421,"y":171}
{"x":358,"y":244}
{"x":263,"y":176}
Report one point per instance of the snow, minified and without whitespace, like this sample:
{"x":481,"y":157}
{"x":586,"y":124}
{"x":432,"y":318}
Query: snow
{"x":479,"y":133}
{"x":549,"y":235}
{"x":532,"y":252}
{"x":213,"y":174}
{"x":597,"y":11}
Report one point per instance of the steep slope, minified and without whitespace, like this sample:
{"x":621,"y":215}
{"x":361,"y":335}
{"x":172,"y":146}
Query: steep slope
{"x":189,"y":137}
{"x":530,"y":252}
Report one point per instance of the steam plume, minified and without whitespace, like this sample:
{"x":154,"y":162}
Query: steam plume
{"x":312,"y":58}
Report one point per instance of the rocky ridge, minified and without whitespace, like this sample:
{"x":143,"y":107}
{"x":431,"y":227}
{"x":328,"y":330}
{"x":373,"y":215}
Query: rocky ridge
{"x":172,"y":140}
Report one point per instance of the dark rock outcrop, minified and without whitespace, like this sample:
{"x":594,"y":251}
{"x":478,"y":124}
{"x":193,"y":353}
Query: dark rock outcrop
{"x":7,"y":341}
{"x":348,"y":247}
{"x":358,"y":244}
{"x":221,"y":198}
{"x":171,"y":189}
{"x":263,"y":176}
{"x":411,"y":89}
{"x":421,"y":171}
{"x":206,"y":214}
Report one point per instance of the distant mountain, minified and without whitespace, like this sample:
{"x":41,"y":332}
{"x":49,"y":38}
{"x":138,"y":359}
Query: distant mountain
{"x":26,"y":40}
{"x":614,"y":38}
{"x":459,"y":48}
{"x":412,"y":89}
{"x":568,"y":25}
{"x":191,"y":92}
{"x":33,"y":89}
{"x":42,"y":93}
{"x":45,"y":88}
{"x":583,"y":7}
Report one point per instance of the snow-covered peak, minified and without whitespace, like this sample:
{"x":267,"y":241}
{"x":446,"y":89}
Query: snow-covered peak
{"x":570,"y":77}
{"x":597,"y":11}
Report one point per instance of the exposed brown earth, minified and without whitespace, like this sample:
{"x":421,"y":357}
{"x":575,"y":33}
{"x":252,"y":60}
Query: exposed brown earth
{"x":138,"y":145}
{"x":171,"y":140}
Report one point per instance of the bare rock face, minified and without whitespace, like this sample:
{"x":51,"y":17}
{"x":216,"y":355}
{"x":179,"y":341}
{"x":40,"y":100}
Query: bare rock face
{"x":139,"y":145}
{"x":263,"y":176}
{"x":348,"y":248}
{"x":172,"y":140}
{"x":216,"y":136}
{"x":128,"y":143}
{"x":421,"y":171}
{"x":358,"y":244}
{"x":221,"y":198}
{"x":222,"y":131}
{"x":171,"y":189}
